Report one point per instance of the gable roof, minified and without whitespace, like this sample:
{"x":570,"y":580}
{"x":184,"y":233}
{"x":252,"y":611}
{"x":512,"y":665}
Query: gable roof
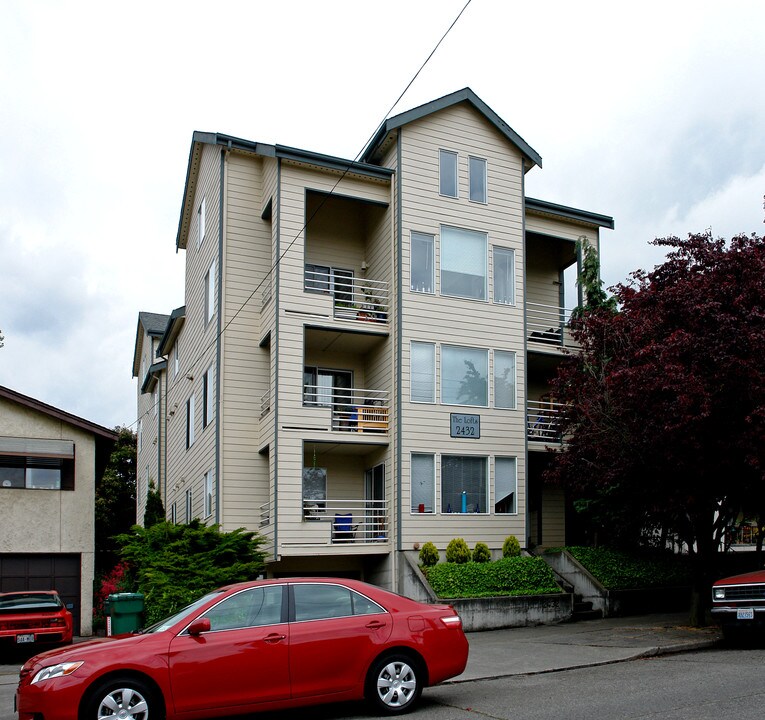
{"x":154,"y":325}
{"x":466,"y":95}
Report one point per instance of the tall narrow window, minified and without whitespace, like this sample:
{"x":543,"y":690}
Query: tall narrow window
{"x":463,"y":484}
{"x":155,"y":401}
{"x":140,"y":434}
{"x":464,"y":376}
{"x":201,"y":220}
{"x":208,"y":493}
{"x":477,"y":180}
{"x":504,"y":380}
{"x":463,"y":263}
{"x":188,"y":505}
{"x":421,"y":265}
{"x":504,"y":276}
{"x":423,"y":483}
{"x":174,"y":513}
{"x":447,"y":173}
{"x":190,"y":422}
{"x":505,"y":485}
{"x":177,"y":365}
{"x":423,"y":372}
{"x":210,"y":293}
{"x":207,"y":397}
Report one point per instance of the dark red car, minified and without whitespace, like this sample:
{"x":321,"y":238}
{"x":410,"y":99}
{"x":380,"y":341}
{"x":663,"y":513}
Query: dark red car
{"x":34,"y":617}
{"x":263,"y":645}
{"x":738,"y":603}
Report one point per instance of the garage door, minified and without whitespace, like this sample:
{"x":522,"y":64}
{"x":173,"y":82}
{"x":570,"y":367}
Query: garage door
{"x":44,"y":572}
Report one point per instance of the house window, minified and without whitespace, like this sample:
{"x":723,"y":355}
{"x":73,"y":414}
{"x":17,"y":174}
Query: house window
{"x":423,"y":476}
{"x":327,"y":388}
{"x":155,"y":401}
{"x":36,"y":473}
{"x":174,"y":513}
{"x":421,"y":264}
{"x":464,"y":376}
{"x":504,"y":276}
{"x":210,"y":293}
{"x":201,"y":223}
{"x":208,"y":493}
{"x":504,"y":379}
{"x":330,"y":281}
{"x":190,"y":422}
{"x":447,"y":173}
{"x":423,"y":370}
{"x":477,"y":179}
{"x":463,"y":263}
{"x":188,"y":505}
{"x":140,"y":435}
{"x":463,"y":484}
{"x":505,"y":485}
{"x":207,"y":397}
{"x":177,"y":365}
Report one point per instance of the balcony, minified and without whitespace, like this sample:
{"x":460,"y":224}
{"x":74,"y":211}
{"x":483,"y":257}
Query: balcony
{"x":349,"y":521}
{"x":543,"y":421}
{"x":351,"y":409}
{"x":357,"y":299}
{"x":547,"y":325}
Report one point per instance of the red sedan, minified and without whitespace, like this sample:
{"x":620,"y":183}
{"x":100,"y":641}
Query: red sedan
{"x":263,"y":645}
{"x":34,"y":617}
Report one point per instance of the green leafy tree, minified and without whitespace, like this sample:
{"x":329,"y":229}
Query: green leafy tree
{"x":155,"y":510}
{"x":665,"y":418}
{"x":115,"y":502}
{"x":173,"y":564}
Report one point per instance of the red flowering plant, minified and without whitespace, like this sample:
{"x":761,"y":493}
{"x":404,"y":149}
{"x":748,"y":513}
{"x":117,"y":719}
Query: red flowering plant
{"x":118,"y":579}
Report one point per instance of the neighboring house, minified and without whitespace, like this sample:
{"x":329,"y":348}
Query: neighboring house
{"x":50,"y":462}
{"x":386,"y":383}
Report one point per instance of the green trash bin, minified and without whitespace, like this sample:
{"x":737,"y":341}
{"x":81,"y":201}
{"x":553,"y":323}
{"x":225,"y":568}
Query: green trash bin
{"x":123,"y":613}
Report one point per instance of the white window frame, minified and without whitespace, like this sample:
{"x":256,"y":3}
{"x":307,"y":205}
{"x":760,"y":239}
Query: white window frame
{"x":430,"y":284}
{"x":201,"y":222}
{"x":415,"y":497}
{"x":174,"y":513}
{"x":485,"y":179}
{"x":495,"y":251}
{"x":442,"y":153}
{"x":207,"y":489}
{"x":485,"y":499}
{"x":514,"y":400}
{"x":446,"y":396}
{"x":207,"y":397}
{"x":446,"y":230}
{"x":177,"y":365}
{"x":140,"y":434}
{"x":189,"y":506}
{"x":210,"y":293}
{"x":190,"y":421}
{"x":412,"y":369}
{"x":155,"y":401}
{"x":513,"y":484}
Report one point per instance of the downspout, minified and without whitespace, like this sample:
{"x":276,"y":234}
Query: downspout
{"x":219,"y":338}
{"x":276,"y":265}
{"x":399,"y":343}
{"x":527,"y":513}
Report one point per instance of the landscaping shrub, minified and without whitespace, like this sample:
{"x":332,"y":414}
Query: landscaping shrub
{"x":481,"y":553}
{"x":617,"y":570}
{"x":511,"y":547}
{"x":457,"y":551}
{"x":429,"y":554}
{"x":508,"y":576}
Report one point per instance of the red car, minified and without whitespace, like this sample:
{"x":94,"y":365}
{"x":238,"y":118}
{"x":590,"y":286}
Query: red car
{"x":34,"y":617}
{"x":738,"y":603}
{"x":263,"y":645}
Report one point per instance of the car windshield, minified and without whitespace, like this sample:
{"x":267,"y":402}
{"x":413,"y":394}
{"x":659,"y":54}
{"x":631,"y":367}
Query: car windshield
{"x":30,"y":602}
{"x":187,"y":612}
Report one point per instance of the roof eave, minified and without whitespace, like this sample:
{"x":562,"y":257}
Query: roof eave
{"x":569,"y":213}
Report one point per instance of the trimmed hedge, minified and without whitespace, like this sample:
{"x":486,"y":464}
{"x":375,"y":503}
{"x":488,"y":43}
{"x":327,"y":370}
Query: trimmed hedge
{"x":508,"y":576}
{"x":617,"y":570}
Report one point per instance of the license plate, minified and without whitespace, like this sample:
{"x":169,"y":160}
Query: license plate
{"x":25,"y":638}
{"x":745,"y":614}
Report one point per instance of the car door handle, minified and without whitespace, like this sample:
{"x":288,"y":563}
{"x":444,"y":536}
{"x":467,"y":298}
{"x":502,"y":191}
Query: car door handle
{"x":375,"y":625}
{"x":274,"y":638}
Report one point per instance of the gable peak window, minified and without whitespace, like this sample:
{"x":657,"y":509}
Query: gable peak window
{"x":447,"y":173}
{"x":477,"y":167}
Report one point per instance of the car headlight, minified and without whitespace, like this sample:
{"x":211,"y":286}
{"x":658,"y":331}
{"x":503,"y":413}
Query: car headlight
{"x":54,"y":671}
{"x":719,"y":593}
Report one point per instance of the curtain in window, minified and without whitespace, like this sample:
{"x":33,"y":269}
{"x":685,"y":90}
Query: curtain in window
{"x":421,"y":263}
{"x":505,"y":485}
{"x":463,"y":484}
{"x":504,"y":379}
{"x":423,"y":369}
{"x":504,"y":276}
{"x":463,"y":263}
{"x":423,"y":486}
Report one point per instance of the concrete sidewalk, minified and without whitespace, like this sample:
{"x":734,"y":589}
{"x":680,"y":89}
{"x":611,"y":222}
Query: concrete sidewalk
{"x":549,"y":648}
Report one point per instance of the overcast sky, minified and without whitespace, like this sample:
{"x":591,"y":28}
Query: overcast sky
{"x":651,"y":112}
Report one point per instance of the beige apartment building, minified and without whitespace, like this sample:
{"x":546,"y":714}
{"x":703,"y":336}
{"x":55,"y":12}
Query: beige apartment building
{"x":362,"y":361}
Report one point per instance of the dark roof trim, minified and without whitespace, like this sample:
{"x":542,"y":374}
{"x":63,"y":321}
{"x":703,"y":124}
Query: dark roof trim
{"x":154,"y":324}
{"x":333,"y":163}
{"x":173,"y":327}
{"x":152,"y":376}
{"x":464,"y":95}
{"x":352,"y":198}
{"x":53,"y":412}
{"x":569,"y":213}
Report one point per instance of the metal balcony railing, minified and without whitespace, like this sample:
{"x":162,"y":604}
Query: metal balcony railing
{"x":543,"y":421}
{"x":350,"y":521}
{"x":355,"y":298}
{"x":548,"y":325}
{"x":352,"y":409}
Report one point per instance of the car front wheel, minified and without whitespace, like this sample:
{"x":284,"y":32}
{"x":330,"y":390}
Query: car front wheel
{"x":123,"y":699}
{"x":394,"y":684}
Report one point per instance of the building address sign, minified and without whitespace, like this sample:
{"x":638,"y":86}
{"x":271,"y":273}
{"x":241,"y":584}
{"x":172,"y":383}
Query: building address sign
{"x":465,"y":426}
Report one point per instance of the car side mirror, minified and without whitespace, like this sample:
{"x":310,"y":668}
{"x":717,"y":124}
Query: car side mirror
{"x":199,"y":626}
